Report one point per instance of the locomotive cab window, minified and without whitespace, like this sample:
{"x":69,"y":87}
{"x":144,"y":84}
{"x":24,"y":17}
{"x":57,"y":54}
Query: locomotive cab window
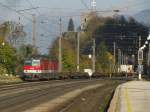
{"x":28,"y":62}
{"x":35,"y":62}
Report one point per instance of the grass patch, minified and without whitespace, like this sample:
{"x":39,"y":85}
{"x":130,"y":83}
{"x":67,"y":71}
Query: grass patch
{"x":103,"y":107}
{"x":107,"y":99}
{"x":9,"y":79}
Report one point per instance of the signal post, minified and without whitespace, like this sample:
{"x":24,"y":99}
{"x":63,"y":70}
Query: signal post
{"x":140,"y":61}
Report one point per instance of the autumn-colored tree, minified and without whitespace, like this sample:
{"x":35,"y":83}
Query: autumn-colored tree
{"x":7,"y":56}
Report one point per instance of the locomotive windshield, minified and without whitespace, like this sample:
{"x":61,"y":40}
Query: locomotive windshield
{"x":32,"y":62}
{"x":35,"y":62}
{"x":28,"y":62}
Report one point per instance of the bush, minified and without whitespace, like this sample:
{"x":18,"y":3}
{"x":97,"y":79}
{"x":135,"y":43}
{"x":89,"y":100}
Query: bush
{"x":63,"y":75}
{"x":99,"y":75}
{"x":122,"y":74}
{"x":75,"y":75}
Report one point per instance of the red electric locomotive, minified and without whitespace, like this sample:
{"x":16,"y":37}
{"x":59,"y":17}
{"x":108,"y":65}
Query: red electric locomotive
{"x":38,"y":69}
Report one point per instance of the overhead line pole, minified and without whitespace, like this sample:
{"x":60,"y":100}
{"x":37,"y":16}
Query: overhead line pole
{"x":119,"y":59}
{"x":93,"y":4}
{"x":78,"y":51}
{"x":34,"y":33}
{"x":94,"y":57}
{"x":122,"y":55}
{"x":115,"y":52}
{"x":60,"y":48}
{"x":139,"y":41}
{"x":148,"y":38}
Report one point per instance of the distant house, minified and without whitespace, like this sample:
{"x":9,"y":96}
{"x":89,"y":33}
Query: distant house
{"x":85,"y":17}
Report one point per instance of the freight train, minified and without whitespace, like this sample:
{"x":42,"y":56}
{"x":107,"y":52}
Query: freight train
{"x":44,"y":69}
{"x":39,"y":69}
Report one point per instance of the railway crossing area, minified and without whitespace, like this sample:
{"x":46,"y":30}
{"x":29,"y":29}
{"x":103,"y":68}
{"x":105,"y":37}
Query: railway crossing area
{"x":133,"y":96}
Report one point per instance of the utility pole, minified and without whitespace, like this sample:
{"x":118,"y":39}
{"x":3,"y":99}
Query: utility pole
{"x":119,"y":59}
{"x":93,"y":5}
{"x":115,"y":52}
{"x":78,"y":51}
{"x":34,"y":33}
{"x":125,"y":61}
{"x":148,"y":39}
{"x":140,"y":59}
{"x":139,"y":41}
{"x":118,"y":56}
{"x":122,"y":58}
{"x":93,"y":59}
{"x":60,"y":48}
{"x":148,"y":55}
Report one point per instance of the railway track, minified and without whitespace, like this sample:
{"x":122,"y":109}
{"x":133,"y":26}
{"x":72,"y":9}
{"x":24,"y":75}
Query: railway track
{"x":20,"y":97}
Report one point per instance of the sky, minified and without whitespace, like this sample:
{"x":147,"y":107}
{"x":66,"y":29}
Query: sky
{"x":57,"y":7}
{"x":53,"y":9}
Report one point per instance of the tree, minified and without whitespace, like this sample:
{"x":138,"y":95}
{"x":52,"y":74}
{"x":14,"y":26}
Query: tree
{"x":17,"y":35}
{"x":7,"y":56}
{"x":68,"y":54}
{"x":71,"y":25}
{"x":26,"y":51}
{"x":105,"y":30}
{"x":123,"y":31}
{"x":103,"y":57}
{"x":10,"y":59}
{"x":13,"y":33}
{"x":4,"y":30}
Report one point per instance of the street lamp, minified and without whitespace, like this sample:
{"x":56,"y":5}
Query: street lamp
{"x":146,"y":42}
{"x":90,"y":56}
{"x":3,"y":43}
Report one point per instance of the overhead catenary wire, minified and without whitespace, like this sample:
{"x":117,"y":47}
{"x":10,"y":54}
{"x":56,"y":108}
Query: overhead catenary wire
{"x":18,"y":12}
{"x":129,"y":6}
{"x":28,"y":9}
{"x":29,"y":2}
{"x":33,"y":6}
{"x":85,"y":5}
{"x":98,"y":11}
{"x":75,"y":15}
{"x":21,"y":14}
{"x":14,"y":10}
{"x":64,"y":16}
